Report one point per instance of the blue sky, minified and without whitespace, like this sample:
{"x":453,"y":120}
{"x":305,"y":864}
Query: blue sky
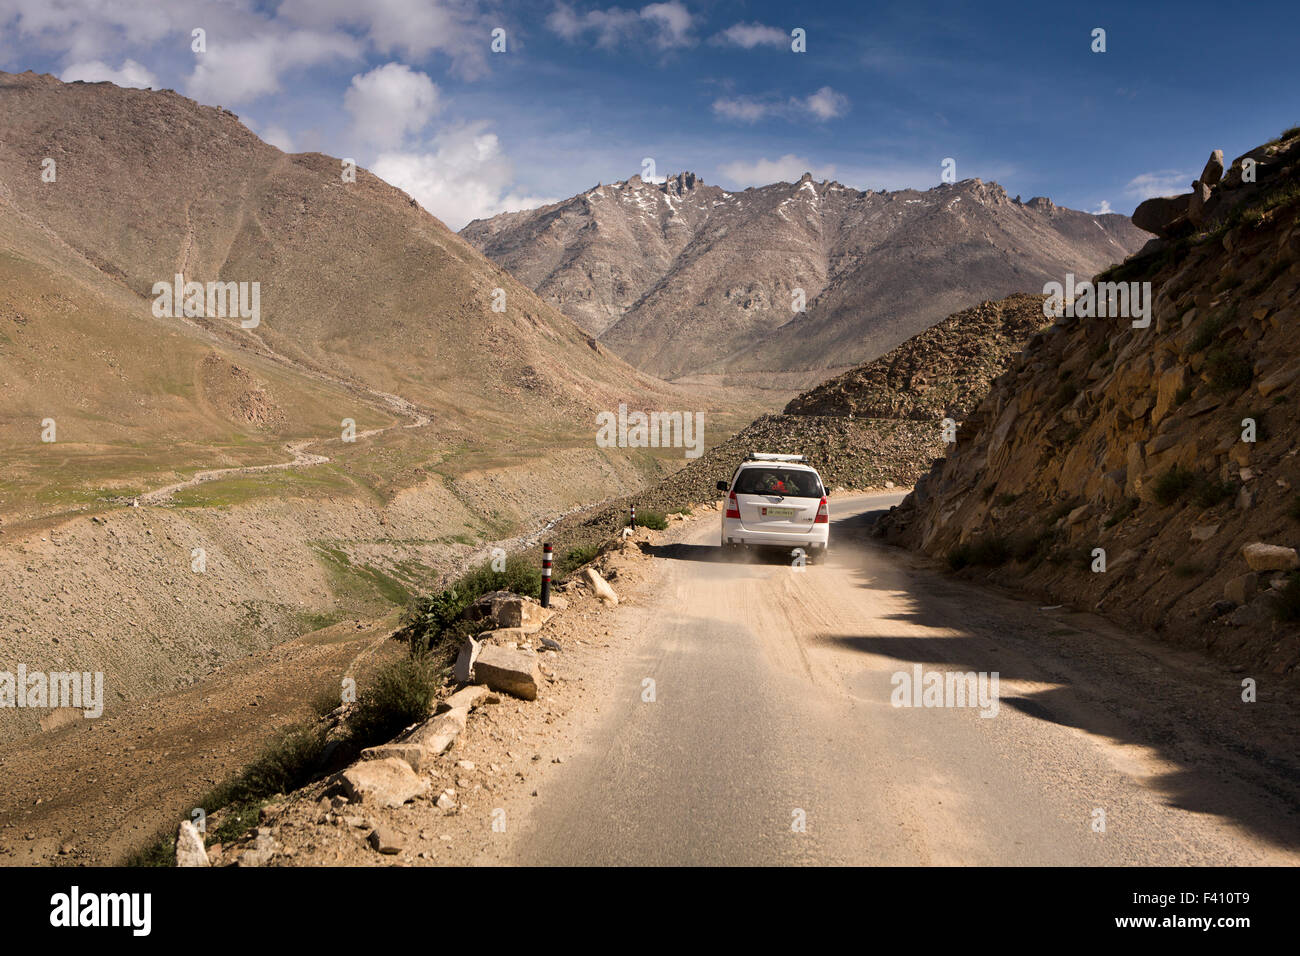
{"x":585,"y":92}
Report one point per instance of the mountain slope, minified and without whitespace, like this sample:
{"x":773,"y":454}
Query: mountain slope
{"x":1167,"y":450}
{"x":355,"y":279}
{"x":685,"y":279}
{"x":472,"y":426}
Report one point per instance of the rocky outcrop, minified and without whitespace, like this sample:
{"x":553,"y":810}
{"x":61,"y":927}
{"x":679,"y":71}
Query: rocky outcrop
{"x":1213,"y":196}
{"x":419,"y":746}
{"x":1151,"y":472}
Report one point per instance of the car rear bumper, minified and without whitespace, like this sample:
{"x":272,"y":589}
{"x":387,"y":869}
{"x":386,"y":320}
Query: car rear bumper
{"x":733,"y":532}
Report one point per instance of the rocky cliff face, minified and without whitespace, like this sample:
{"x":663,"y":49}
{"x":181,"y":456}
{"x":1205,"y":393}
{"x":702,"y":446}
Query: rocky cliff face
{"x":1169,"y":451}
{"x":941,"y":373}
{"x":682,"y":279}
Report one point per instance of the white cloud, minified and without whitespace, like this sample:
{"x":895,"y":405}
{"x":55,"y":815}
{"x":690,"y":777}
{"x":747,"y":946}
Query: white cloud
{"x":1103,"y":209}
{"x":458,"y":29}
{"x":131,"y":74}
{"x":242,"y":70}
{"x":390,"y":102}
{"x":674,"y":23}
{"x":742,"y":109}
{"x":750,"y":35}
{"x":825,"y":104}
{"x":789,"y":168}
{"x":669,"y":25}
{"x":88,"y":32}
{"x":1164,"y":182}
{"x":465,"y":176}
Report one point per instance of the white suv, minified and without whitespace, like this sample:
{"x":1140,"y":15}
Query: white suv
{"x":776,"y":501}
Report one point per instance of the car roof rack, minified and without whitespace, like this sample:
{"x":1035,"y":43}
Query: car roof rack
{"x":765,"y":456}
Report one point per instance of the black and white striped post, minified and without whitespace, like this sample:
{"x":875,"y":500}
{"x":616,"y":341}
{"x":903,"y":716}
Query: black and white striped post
{"x":547,"y":556}
{"x":634,"y":517}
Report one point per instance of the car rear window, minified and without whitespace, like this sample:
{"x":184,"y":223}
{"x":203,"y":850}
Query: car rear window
{"x":778,"y":481}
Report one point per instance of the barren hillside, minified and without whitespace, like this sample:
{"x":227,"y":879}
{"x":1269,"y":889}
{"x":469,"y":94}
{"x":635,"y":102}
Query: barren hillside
{"x":379,"y":427}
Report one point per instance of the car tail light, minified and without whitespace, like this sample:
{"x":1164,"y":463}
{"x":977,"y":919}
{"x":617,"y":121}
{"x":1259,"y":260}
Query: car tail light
{"x":823,"y":512}
{"x":733,"y":506}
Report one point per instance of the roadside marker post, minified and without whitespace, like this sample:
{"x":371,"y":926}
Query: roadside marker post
{"x":634,"y":517}
{"x":547,"y":558}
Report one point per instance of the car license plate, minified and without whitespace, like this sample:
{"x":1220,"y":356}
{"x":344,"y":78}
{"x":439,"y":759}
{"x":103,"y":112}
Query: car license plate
{"x":779,"y":512}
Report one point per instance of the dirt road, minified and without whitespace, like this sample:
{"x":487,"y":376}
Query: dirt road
{"x":771,"y":706}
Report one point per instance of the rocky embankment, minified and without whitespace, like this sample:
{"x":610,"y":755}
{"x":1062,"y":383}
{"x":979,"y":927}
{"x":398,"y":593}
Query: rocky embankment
{"x":940,"y":373}
{"x":1167,"y":451}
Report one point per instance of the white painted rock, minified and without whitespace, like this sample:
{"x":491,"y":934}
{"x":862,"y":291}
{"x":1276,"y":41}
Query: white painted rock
{"x":190,"y":850}
{"x":601,"y":587}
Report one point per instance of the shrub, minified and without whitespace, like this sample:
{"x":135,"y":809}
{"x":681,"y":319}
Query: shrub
{"x":428,"y":618}
{"x":1028,"y":547}
{"x":1205,"y":491}
{"x":655,"y":520}
{"x":1228,"y":371}
{"x":1293,"y":509}
{"x":1172,"y":485}
{"x":576,"y":558}
{"x":287,"y":763}
{"x":1208,"y":492}
{"x":1004,"y":499}
{"x":1208,"y":331}
{"x":400,"y":694}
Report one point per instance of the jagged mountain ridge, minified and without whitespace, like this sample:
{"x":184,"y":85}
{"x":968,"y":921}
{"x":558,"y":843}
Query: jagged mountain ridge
{"x":686,"y":279}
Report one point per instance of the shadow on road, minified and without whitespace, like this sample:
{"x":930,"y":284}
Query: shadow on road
{"x":1110,"y":684}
